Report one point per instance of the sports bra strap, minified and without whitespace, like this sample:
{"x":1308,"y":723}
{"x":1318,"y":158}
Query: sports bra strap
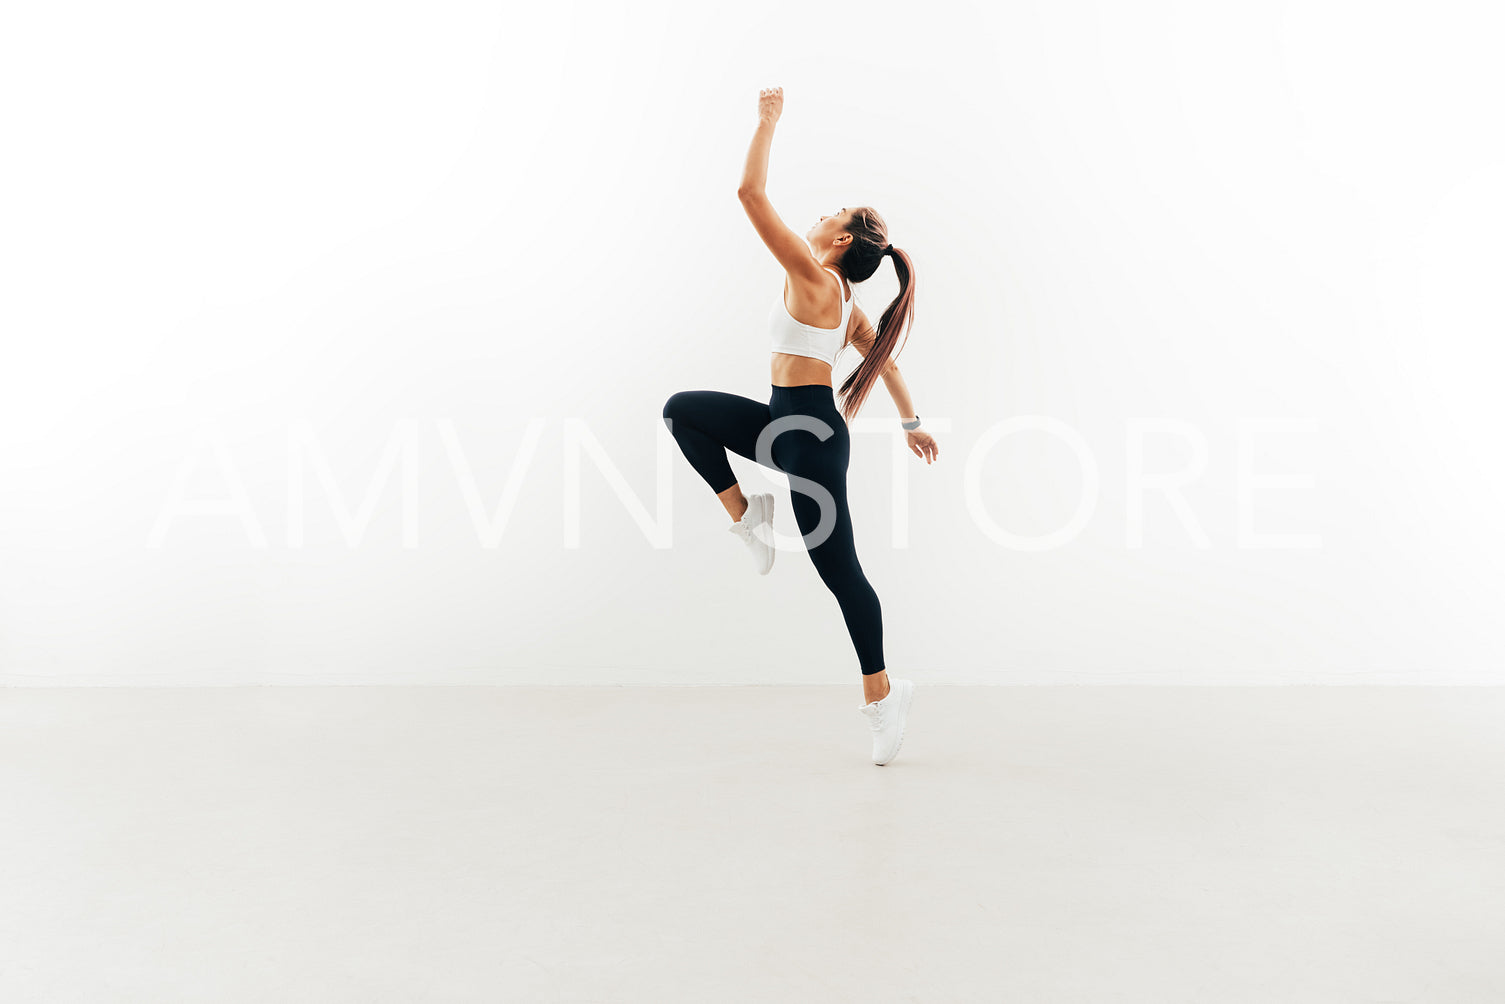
{"x":845,"y":299}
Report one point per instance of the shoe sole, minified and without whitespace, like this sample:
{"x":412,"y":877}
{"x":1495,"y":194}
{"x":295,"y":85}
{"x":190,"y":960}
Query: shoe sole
{"x":772,"y":551}
{"x":903,"y":722}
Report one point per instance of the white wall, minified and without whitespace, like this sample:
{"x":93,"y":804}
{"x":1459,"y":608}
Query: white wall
{"x":449,"y":234}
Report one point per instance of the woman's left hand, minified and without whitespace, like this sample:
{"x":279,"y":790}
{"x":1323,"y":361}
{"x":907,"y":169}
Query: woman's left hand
{"x":922,"y":444}
{"x":770,"y":104}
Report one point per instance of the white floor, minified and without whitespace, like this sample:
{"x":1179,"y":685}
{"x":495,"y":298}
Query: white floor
{"x":1041,"y":844}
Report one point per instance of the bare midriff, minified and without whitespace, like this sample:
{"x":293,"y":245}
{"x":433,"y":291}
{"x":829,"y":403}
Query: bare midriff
{"x":786,"y":370}
{"x":793,"y":371}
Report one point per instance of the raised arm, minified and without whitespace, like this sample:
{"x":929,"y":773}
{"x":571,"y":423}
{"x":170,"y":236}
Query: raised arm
{"x":791,"y":250}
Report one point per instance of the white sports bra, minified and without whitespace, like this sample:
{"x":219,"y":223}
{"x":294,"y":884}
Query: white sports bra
{"x":799,"y":339}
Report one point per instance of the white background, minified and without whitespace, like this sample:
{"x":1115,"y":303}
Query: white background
{"x":452,"y":233}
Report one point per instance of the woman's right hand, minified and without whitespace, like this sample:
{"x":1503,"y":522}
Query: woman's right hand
{"x":770,"y":104}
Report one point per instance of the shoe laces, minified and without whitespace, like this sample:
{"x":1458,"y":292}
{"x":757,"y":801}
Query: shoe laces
{"x":743,"y":530}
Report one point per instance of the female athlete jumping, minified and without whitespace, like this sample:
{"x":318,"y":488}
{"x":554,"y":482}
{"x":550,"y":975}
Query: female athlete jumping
{"x":802,"y":430}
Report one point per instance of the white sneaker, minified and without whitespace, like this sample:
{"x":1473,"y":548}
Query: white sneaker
{"x":888,"y":718}
{"x":759,"y":512}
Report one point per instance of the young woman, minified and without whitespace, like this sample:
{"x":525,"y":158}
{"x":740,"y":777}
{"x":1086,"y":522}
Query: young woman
{"x":801,"y":431}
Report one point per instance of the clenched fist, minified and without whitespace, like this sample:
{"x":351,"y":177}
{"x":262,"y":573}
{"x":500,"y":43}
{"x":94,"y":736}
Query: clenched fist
{"x":770,"y":104}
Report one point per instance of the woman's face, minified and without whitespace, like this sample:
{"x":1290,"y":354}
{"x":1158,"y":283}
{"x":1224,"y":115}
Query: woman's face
{"x":830,"y":227}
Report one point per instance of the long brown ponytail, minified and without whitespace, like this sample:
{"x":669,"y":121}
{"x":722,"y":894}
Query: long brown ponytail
{"x":869,"y":247}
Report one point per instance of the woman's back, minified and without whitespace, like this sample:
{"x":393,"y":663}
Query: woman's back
{"x":803,"y":352}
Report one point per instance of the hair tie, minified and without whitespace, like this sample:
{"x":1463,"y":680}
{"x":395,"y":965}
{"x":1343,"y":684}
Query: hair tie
{"x":889,"y":249}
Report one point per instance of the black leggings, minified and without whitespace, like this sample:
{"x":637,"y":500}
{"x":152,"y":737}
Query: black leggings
{"x":707,"y":423}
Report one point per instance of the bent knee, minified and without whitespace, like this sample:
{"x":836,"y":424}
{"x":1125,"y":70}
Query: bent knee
{"x":674,"y":407}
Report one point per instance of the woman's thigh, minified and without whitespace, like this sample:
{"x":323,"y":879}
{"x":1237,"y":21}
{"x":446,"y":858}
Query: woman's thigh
{"x":732,"y":420}
{"x":817,"y":471}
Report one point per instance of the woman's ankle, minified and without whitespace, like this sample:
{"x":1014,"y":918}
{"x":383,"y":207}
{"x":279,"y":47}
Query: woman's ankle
{"x":735,"y":502}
